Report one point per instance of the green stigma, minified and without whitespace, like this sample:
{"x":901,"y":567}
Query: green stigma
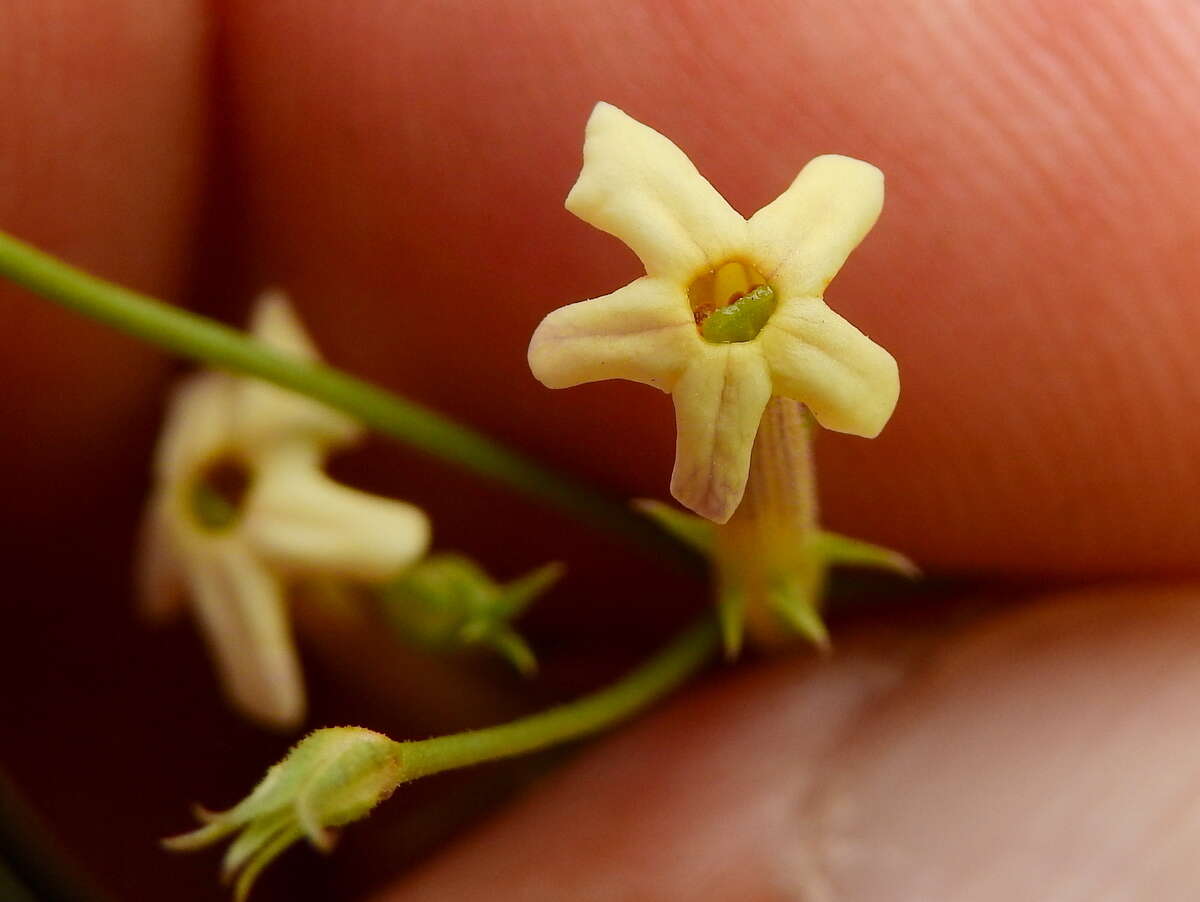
{"x":215,"y":498}
{"x":742,"y":319}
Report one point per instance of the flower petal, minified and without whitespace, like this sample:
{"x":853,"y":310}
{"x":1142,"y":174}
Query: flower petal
{"x":643,"y":332}
{"x":241,"y":609}
{"x":265,"y":413}
{"x":640,"y":187}
{"x":159,"y":569}
{"x":719,"y":402}
{"x":300,"y":519}
{"x":803,"y":237}
{"x":198,"y":426}
{"x":274,"y":322}
{"x":816,"y":357}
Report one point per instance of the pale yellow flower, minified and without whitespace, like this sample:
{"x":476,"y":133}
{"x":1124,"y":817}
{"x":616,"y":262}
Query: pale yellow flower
{"x":703,"y":262}
{"x":241,"y":506}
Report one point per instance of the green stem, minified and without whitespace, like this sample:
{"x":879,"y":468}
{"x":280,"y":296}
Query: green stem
{"x":654,"y":679}
{"x":203,"y":339}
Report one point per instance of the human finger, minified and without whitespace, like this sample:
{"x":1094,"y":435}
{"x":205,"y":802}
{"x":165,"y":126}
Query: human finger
{"x":1032,"y":270}
{"x":101,"y":157}
{"x":1044,"y":752}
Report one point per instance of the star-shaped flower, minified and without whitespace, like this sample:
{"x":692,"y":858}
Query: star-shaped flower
{"x":241,"y":506}
{"x":730,"y":311}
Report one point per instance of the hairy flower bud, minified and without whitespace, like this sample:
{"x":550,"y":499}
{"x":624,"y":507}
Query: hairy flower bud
{"x":331,"y":777}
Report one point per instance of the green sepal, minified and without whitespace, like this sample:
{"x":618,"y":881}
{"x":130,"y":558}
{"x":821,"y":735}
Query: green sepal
{"x":731,"y":614}
{"x":834,"y":548}
{"x":524,"y":590}
{"x":791,"y":603}
{"x":801,"y":615}
{"x":695,"y":532}
{"x":842,"y":551}
{"x":512,"y":646}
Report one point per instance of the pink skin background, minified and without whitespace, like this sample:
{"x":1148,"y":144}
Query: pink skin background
{"x":400,"y":168}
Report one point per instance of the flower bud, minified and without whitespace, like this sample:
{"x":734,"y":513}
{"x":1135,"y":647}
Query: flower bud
{"x":446,"y":602}
{"x":331,"y":777}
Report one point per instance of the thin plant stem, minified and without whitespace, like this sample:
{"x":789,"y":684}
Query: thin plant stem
{"x":668,"y":669}
{"x":203,"y":339}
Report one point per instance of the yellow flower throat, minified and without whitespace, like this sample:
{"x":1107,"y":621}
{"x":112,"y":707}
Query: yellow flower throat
{"x":215,"y":499}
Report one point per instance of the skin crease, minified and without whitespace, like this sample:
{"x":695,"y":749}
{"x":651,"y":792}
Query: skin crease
{"x":1032,"y":273}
